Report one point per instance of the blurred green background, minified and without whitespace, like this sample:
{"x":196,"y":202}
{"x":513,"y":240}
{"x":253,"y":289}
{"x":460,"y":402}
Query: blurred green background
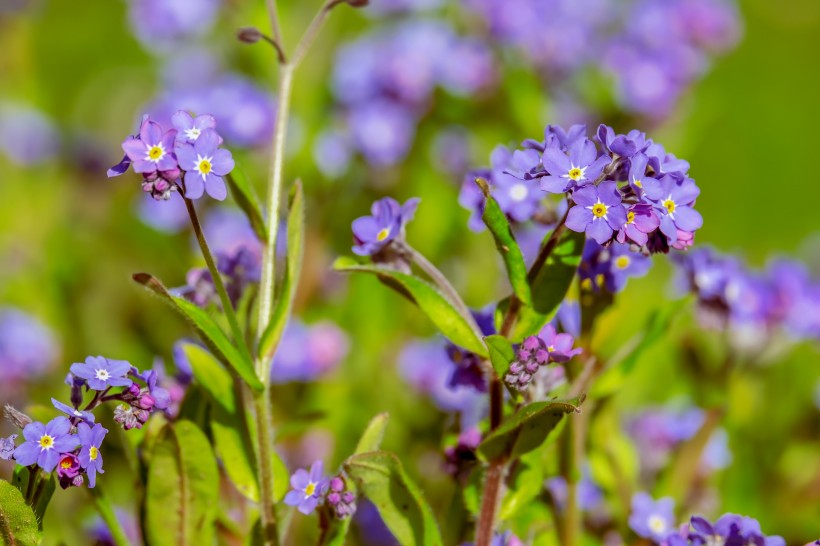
{"x":69,"y":237}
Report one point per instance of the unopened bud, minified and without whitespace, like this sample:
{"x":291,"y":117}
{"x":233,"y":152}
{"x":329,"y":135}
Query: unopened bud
{"x":249,"y":35}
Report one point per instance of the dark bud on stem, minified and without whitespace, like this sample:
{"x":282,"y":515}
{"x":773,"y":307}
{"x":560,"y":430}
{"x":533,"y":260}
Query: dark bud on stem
{"x":249,"y":35}
{"x":17,"y":418}
{"x":358,"y":3}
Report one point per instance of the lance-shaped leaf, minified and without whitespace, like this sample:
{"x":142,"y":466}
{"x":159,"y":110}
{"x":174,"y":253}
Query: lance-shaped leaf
{"x":245,"y":197}
{"x":501,"y":353}
{"x":526,"y":429}
{"x":380,"y":476}
{"x":182,"y":493}
{"x":18,"y":524}
{"x":296,"y":247}
{"x":208,"y":330}
{"x":495,"y":219}
{"x":437,"y":308}
{"x":550,"y":284}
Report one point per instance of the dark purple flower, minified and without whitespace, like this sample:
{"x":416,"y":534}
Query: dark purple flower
{"x":581,"y":166}
{"x":45,"y":443}
{"x":189,"y":128}
{"x":308,"y":488}
{"x":638,"y":178}
{"x":205,"y":164}
{"x":674,"y":202}
{"x":90,"y":457}
{"x":153,"y":151}
{"x":372,"y":233}
{"x":462,"y":457}
{"x":7,"y":447}
{"x":731,"y":529}
{"x":622,"y":145}
{"x":597,"y":211}
{"x":68,"y":470}
{"x":74,"y":413}
{"x":650,"y":518}
{"x":641,"y":220}
{"x":200,"y":288}
{"x":101,"y":373}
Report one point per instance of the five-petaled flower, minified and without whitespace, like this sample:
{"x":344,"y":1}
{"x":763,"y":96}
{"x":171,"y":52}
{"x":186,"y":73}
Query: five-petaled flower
{"x":308,"y":488}
{"x":101,"y":373}
{"x":650,"y":518}
{"x":598,"y":211}
{"x":153,"y":150}
{"x":45,"y":443}
{"x":189,"y":128}
{"x":90,"y":457}
{"x":373,"y":233}
{"x":205,"y":164}
{"x":674,"y":200}
{"x":582,"y":166}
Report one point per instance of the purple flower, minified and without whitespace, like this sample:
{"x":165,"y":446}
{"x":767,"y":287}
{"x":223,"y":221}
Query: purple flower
{"x":623,"y":145}
{"x":332,"y":153}
{"x":161,"y":396}
{"x":102,"y":373}
{"x":372,"y":233}
{"x":68,"y":471}
{"x":674,"y":201}
{"x":45,"y":443}
{"x":189,"y":128}
{"x":731,"y":529}
{"x":589,"y":495}
{"x":27,"y":136}
{"x":641,"y":220}
{"x":558,"y":346}
{"x":518,"y":197}
{"x":90,"y":457}
{"x":597,"y":211}
{"x":382,"y":130}
{"x":153,"y":151}
{"x":582,"y":166}
{"x":308,"y":488}
{"x":27,"y":347}
{"x":650,"y":518}
{"x":624,"y":263}
{"x":340,"y":500}
{"x":7,"y":447}
{"x":637,"y":177}
{"x":162,"y":24}
{"x":307,"y":352}
{"x":74,"y":413}
{"x":205,"y":164}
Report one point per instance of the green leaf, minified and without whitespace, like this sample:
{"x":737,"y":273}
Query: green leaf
{"x":18,"y":524}
{"x":210,"y":374}
{"x":525,"y":485}
{"x":208,"y":330}
{"x":551,"y":283}
{"x":296,"y":228}
{"x":235,"y":451}
{"x":20,"y":479}
{"x":245,"y":197}
{"x":380,"y":476}
{"x":371,"y":439}
{"x":437,"y":308}
{"x":501,"y":353}
{"x":495,"y":219}
{"x":526,"y":429}
{"x":616,"y":374}
{"x":182,"y":494}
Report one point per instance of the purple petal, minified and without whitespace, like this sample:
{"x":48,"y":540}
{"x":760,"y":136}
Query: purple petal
{"x":578,"y":218}
{"x":134,"y":148}
{"x":608,"y":193}
{"x":586,"y":196}
{"x":294,"y":498}
{"x":688,"y":219}
{"x":215,"y":187}
{"x":186,"y":156}
{"x":616,"y":216}
{"x":556,"y":162}
{"x":596,"y":167}
{"x":317,"y":471}
{"x":118,"y":367}
{"x":222,"y":162}
{"x":66,"y":443}
{"x":48,"y":459}
{"x":300,"y":479}
{"x":308,"y":505}
{"x":366,"y":228}
{"x":59,"y":426}
{"x":27,"y":453}
{"x":34,"y":431}
{"x":668,"y":228}
{"x":207,"y":143}
{"x":599,"y":231}
{"x":182,"y":120}
{"x":150,"y":133}
{"x":554,"y":184}
{"x":194,"y":185}
{"x":205,"y":121}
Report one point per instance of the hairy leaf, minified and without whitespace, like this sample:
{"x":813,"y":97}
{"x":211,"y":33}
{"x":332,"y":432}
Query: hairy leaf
{"x":18,"y":524}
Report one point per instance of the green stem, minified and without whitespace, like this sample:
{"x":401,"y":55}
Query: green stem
{"x":264,"y":440}
{"x":227,"y":306}
{"x":33,"y":476}
{"x":109,"y":516}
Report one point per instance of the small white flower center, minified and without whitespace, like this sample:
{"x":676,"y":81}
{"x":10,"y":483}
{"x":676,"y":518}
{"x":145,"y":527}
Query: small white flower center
{"x":519,"y":192}
{"x":78,"y":413}
{"x":46,"y":442}
{"x":102,"y":375}
{"x":575,"y":173}
{"x":155,"y":153}
{"x":599,"y":210}
{"x":192,"y":134}
{"x":657,"y":524}
{"x":310,"y":489}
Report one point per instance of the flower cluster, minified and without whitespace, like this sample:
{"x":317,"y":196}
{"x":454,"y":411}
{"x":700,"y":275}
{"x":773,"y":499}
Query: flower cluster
{"x":385,"y":81}
{"x":608,"y":269}
{"x":731,"y":295}
{"x":71,"y":443}
{"x":654,"y":50}
{"x":654,"y":520}
{"x":537,"y":351}
{"x":187,"y":157}
{"x":310,"y":489}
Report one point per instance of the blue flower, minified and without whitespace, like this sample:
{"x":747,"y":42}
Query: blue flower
{"x":102,"y":373}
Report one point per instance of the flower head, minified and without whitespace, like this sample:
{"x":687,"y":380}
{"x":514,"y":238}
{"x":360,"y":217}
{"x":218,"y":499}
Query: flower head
{"x":674,"y":201}
{"x":579,"y":167}
{"x":558,"y":346}
{"x":205,"y":164}
{"x":650,"y":518}
{"x":308,"y":488}
{"x":74,"y":413}
{"x":45,"y":443}
{"x":598,"y":211}
{"x":189,"y":128}
{"x":153,"y":151}
{"x":101,"y":373}
{"x":372,"y":233}
{"x":641,"y":220}
{"x":68,"y":471}
{"x":90,"y":457}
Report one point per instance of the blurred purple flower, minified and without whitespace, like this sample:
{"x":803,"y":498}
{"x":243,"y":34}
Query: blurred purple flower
{"x":332,"y":153}
{"x":163,"y":24}
{"x":27,"y":136}
{"x":382,"y":131}
{"x":308,"y":352}
{"x":27,"y":347}
{"x":650,"y":518}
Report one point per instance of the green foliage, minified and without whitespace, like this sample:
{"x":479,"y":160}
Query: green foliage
{"x":437,"y":308}
{"x":501,"y":353}
{"x":495,"y":219}
{"x":243,"y":194}
{"x":207,"y":329}
{"x":552,"y":281}
{"x":182,"y":493}
{"x":525,"y":484}
{"x":18,"y":524}
{"x":296,"y":248}
{"x":20,"y":479}
{"x":526,"y":429}
{"x":210,"y":374}
{"x":380,"y":476}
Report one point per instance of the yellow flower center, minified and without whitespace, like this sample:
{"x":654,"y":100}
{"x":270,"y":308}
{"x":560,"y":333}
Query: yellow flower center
{"x":599,"y":210}
{"x":204,"y":166}
{"x":310,"y":489}
{"x":622,"y":262}
{"x":93,"y":453}
{"x":657,"y":524}
{"x":630,"y":217}
{"x":599,"y":279}
{"x":551,"y":349}
{"x":65,"y":463}
{"x":155,"y":153}
{"x":383,"y":234}
{"x":46,"y":441}
{"x":670,"y":205}
{"x":575,"y":174}
{"x":586,"y":284}
{"x":637,"y":183}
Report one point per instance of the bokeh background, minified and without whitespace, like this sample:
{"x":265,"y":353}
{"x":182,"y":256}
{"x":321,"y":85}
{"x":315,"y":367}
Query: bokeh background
{"x":75,"y":77}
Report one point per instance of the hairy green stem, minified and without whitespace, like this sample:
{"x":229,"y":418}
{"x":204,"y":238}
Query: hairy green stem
{"x":227,"y":306}
{"x":109,"y":516}
{"x":264,"y":440}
